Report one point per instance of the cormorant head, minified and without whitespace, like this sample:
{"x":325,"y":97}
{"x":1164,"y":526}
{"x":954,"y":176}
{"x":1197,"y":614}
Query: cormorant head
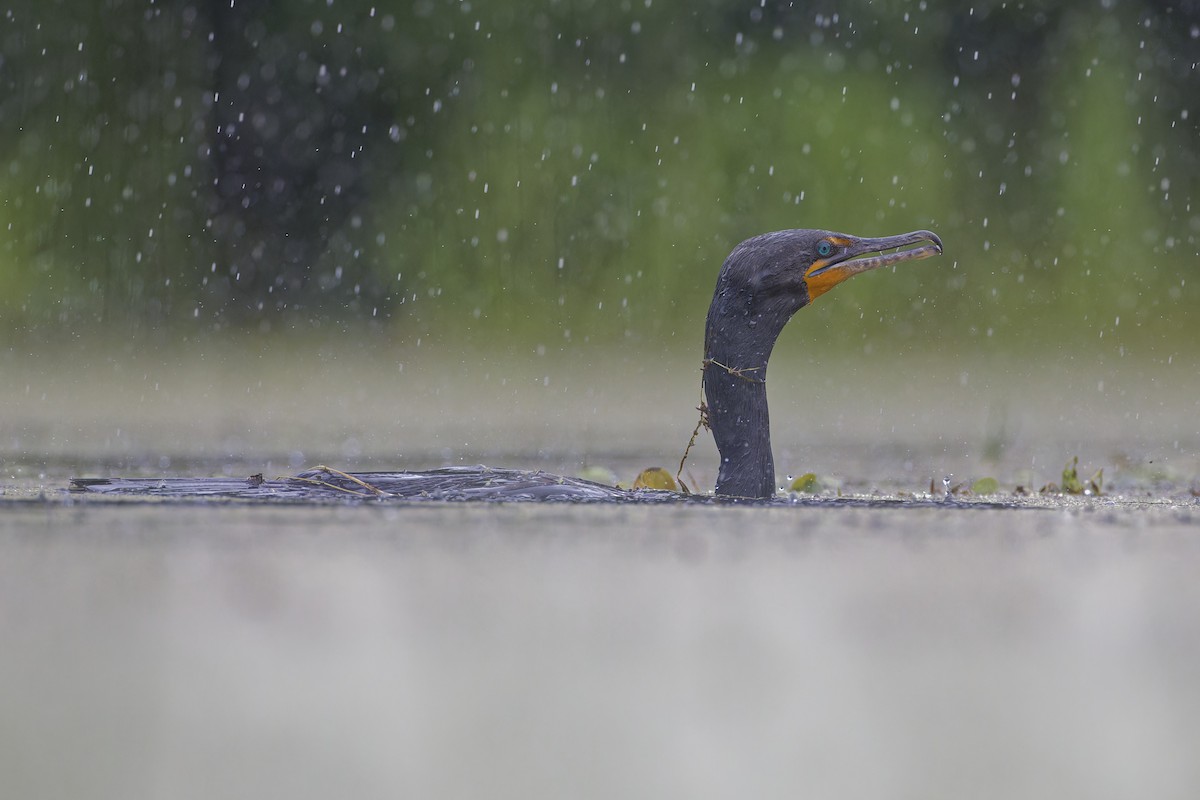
{"x":770,"y":277}
{"x":807,"y":263}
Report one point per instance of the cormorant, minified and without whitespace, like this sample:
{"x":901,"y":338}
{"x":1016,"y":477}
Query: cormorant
{"x":764,"y":282}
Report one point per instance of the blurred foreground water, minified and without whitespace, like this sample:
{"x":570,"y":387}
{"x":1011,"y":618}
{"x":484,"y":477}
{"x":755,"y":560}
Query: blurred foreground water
{"x":598,"y":651}
{"x":549,"y":651}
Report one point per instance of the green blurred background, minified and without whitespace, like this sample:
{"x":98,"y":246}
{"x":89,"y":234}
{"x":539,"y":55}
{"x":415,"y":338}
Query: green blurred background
{"x":576,"y":171}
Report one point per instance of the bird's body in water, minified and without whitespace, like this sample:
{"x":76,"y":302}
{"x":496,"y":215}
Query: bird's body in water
{"x":765,"y":280}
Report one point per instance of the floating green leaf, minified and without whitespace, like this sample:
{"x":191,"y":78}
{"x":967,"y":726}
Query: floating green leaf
{"x":1070,"y":477}
{"x":1071,"y":484}
{"x":806,"y":484}
{"x":985,"y":486}
{"x":597,"y":474}
{"x":655,"y":478}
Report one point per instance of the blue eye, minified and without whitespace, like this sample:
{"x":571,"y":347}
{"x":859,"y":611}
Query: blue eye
{"x":824,"y":248}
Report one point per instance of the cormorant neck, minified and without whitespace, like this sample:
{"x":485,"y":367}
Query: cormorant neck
{"x":740,"y":333}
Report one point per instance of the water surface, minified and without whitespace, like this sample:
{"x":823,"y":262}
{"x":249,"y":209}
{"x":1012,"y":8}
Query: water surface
{"x":534,"y":650}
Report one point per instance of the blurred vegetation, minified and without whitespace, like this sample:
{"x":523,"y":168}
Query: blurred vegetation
{"x":577,"y":170}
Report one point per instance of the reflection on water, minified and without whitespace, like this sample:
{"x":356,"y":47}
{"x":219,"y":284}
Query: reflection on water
{"x":538,"y":651}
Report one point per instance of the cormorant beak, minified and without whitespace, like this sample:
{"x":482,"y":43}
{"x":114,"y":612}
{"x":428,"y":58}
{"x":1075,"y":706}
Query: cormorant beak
{"x":846,"y":261}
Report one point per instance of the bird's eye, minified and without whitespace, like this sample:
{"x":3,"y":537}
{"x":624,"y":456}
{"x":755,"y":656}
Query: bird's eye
{"x":824,"y":248}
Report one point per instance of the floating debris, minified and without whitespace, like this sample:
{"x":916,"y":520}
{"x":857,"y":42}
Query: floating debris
{"x":1071,"y":484}
{"x":327,"y":484}
{"x":323,"y":484}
